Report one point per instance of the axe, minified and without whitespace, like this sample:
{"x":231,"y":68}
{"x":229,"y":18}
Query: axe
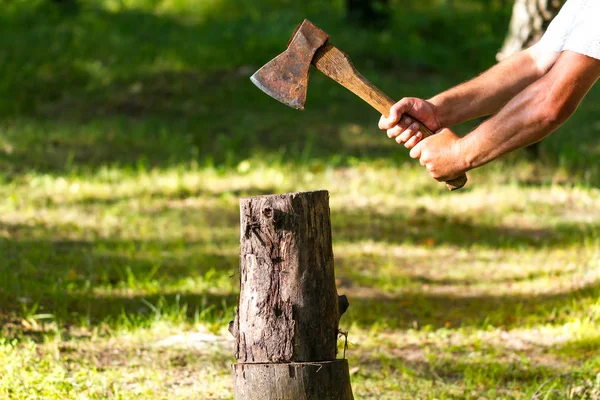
{"x":285,"y":77}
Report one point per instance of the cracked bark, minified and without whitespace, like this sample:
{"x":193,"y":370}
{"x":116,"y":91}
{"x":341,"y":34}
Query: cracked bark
{"x":288,"y":310}
{"x":288,"y":306}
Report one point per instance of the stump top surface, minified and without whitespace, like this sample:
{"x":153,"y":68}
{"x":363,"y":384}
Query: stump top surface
{"x":291,"y":194}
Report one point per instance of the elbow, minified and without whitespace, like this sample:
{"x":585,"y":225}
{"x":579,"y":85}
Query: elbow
{"x":555,"y":104}
{"x":555,"y":112}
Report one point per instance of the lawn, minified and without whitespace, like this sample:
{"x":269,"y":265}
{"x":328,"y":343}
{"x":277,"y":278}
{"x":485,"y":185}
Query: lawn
{"x":129,"y":130}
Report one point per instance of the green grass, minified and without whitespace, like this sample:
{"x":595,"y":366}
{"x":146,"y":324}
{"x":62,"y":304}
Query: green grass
{"x":130,"y":130}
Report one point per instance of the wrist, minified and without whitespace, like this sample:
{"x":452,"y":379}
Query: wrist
{"x":467,"y":153}
{"x":440,"y":110}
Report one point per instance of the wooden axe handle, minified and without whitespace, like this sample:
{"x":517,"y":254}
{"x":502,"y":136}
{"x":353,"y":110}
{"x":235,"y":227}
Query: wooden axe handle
{"x":337,"y":65}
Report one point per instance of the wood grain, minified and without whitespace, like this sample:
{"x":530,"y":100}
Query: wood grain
{"x":337,"y":65}
{"x":288,"y":306}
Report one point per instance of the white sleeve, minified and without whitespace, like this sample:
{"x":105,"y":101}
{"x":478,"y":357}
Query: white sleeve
{"x":576,"y":28}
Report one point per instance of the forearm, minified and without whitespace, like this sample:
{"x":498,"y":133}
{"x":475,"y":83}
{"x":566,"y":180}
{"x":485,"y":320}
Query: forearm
{"x":534,"y":113}
{"x":487,"y":93}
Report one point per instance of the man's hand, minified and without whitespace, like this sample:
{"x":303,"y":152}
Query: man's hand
{"x":406,"y":130}
{"x":442,"y":155}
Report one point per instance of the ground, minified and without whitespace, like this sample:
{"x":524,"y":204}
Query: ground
{"x":128,"y":138}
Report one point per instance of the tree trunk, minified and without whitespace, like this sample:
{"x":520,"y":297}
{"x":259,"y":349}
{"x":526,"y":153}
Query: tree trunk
{"x":293,"y":381}
{"x":288,"y":311}
{"x":529,"y":21}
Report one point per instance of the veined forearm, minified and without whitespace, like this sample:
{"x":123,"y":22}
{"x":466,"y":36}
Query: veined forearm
{"x":487,"y":93}
{"x":535,"y":112}
{"x":524,"y":120}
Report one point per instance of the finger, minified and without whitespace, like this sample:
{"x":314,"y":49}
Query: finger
{"x":415,"y":152}
{"x":383,"y":123}
{"x":386,"y":122}
{"x":410,"y":143}
{"x":409,"y":132}
{"x":396,"y":111}
{"x":404,"y":123}
{"x":395,"y":131}
{"x":395,"y":114}
{"x":398,"y":129}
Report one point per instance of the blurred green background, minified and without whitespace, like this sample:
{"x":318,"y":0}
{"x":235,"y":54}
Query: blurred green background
{"x":129,"y":129}
{"x":166,"y":82}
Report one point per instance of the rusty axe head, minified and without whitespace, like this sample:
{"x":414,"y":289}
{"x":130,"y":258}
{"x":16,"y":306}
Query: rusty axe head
{"x":285,"y":77}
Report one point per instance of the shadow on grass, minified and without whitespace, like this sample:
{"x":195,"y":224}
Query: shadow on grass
{"x":107,"y":264}
{"x":477,"y":377}
{"x":181,"y":193}
{"x":136,"y":282}
{"x":114,"y":282}
{"x":115,"y":310}
{"x":426,"y":227}
{"x":447,"y":310}
{"x":584,"y":349}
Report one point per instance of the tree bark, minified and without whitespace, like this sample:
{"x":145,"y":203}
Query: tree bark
{"x":288,"y":312}
{"x":529,"y":21}
{"x":286,"y":323}
{"x":288,"y":308}
{"x":294,"y":381}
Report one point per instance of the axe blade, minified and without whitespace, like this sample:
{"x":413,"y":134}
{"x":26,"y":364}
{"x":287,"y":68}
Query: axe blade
{"x":285,"y":78}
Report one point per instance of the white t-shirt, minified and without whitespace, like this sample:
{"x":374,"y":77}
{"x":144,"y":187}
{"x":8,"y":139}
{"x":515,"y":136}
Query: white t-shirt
{"x":575,"y":28}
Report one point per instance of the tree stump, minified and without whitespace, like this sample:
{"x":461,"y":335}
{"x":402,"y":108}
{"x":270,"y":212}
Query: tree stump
{"x":286,"y":324}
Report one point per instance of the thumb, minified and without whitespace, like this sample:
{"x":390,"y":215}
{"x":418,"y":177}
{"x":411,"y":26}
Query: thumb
{"x":402,"y":107}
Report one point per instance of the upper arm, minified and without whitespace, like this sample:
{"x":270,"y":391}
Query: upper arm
{"x":543,"y":57}
{"x":568,"y":81}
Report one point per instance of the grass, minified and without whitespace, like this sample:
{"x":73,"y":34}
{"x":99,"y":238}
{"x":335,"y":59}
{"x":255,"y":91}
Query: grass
{"x":129,"y":130}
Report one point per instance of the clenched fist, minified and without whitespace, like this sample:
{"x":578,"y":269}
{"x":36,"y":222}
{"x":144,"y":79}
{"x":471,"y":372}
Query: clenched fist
{"x":403,"y":128}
